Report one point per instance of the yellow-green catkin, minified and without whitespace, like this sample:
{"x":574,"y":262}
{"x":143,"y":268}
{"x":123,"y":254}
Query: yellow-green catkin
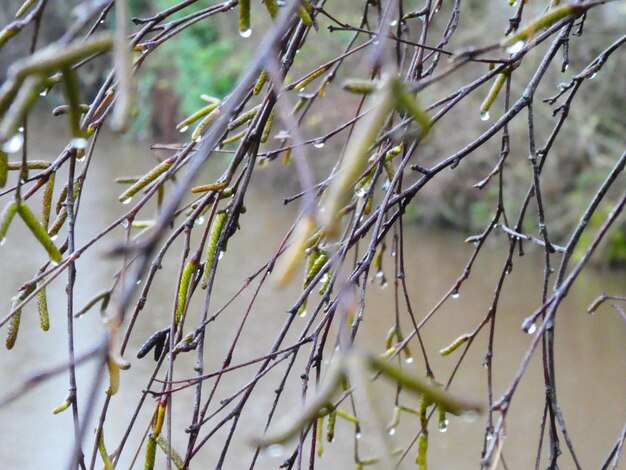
{"x":63,"y":195}
{"x":185,"y":123}
{"x":360,"y":86}
{"x":319,"y":441}
{"x":442,"y":421}
{"x":175,"y":456}
{"x":258,"y":86}
{"x":62,"y":407}
{"x":114,"y":376}
{"x":214,"y":236}
{"x":160,"y":418}
{"x":422,"y":449}
{"x":146,"y":180}
{"x":39,"y":232}
{"x":150,"y":453}
{"x":455,"y":345}
{"x":4,"y":168}
{"x":493,"y":93}
{"x":243,"y":118}
{"x":188,"y":271}
{"x":42,"y":307}
{"x":545,"y":21}
{"x":72,"y":93}
{"x":24,"y":8}
{"x":309,"y":78}
{"x":268,"y":128}
{"x":5,"y":219}
{"x":272,"y":7}
{"x":305,"y":16}
{"x":407,"y":101}
{"x":46,"y":206}
{"x":202,"y":125}
{"x":14,"y":327}
{"x":106,"y":460}
{"x":30,"y":164}
{"x":58,"y":223}
{"x":330,"y":429}
{"x":244,"y":18}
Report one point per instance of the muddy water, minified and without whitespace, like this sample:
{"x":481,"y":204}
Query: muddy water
{"x":589,"y":349}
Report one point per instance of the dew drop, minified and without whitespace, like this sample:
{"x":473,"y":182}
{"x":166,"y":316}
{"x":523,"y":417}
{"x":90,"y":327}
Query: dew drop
{"x":54,"y":237}
{"x":565,"y":67}
{"x":319,"y":144}
{"x":200,"y":220}
{"x":357,"y":436}
{"x":138,"y":282}
{"x":455,"y":294}
{"x":393,"y":253}
{"x":531,"y":329}
{"x":393,"y":23}
{"x":376,"y":41}
{"x":303,"y":313}
{"x":101,"y":21}
{"x":593,"y":75}
{"x":14,"y":144}
{"x":20,"y":129}
{"x":489,"y":436}
{"x":184,"y":128}
{"x":198,"y":139}
{"x":361,"y":192}
{"x":53,"y":263}
{"x":380,"y":274}
{"x":274,"y":451}
{"x":484,"y":116}
{"x":127,"y":201}
{"x":221,"y":255}
{"x":443,"y":426}
{"x":124,"y":223}
{"x":392,"y":431}
{"x":43,"y":92}
{"x":515,"y":47}
{"x":245,"y":33}
{"x":79,"y":143}
{"x":3,"y":241}
{"x":384,"y":284}
{"x":409,"y":360}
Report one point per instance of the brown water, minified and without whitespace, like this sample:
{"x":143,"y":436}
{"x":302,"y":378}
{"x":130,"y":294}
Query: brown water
{"x":589,"y":349}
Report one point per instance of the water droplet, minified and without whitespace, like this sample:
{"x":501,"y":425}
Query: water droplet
{"x":198,"y":139}
{"x":455,"y":294}
{"x":565,"y":67}
{"x":484,"y":116}
{"x":79,"y":143}
{"x":393,"y":23}
{"x":53,"y":263}
{"x":409,"y":360}
{"x":221,"y":255}
{"x":380,"y":274}
{"x":14,"y":144}
{"x":3,"y":241}
{"x":20,"y":129}
{"x":275,"y":450}
{"x":470,"y":416}
{"x":303,"y":313}
{"x":43,"y":92}
{"x":127,"y":201}
{"x":384,"y":284}
{"x":392,"y":431}
{"x":319,"y":144}
{"x":184,"y":128}
{"x":357,"y":436}
{"x":124,"y":223}
{"x":515,"y":47}
{"x":138,"y":282}
{"x":245,"y":33}
{"x":593,"y":75}
{"x":200,"y":220}
{"x":489,"y":436}
{"x":54,"y":237}
{"x":393,"y":253}
{"x":443,"y":426}
{"x":361,"y":192}
{"x":376,"y":41}
{"x":531,"y":329}
{"x":101,"y":22}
